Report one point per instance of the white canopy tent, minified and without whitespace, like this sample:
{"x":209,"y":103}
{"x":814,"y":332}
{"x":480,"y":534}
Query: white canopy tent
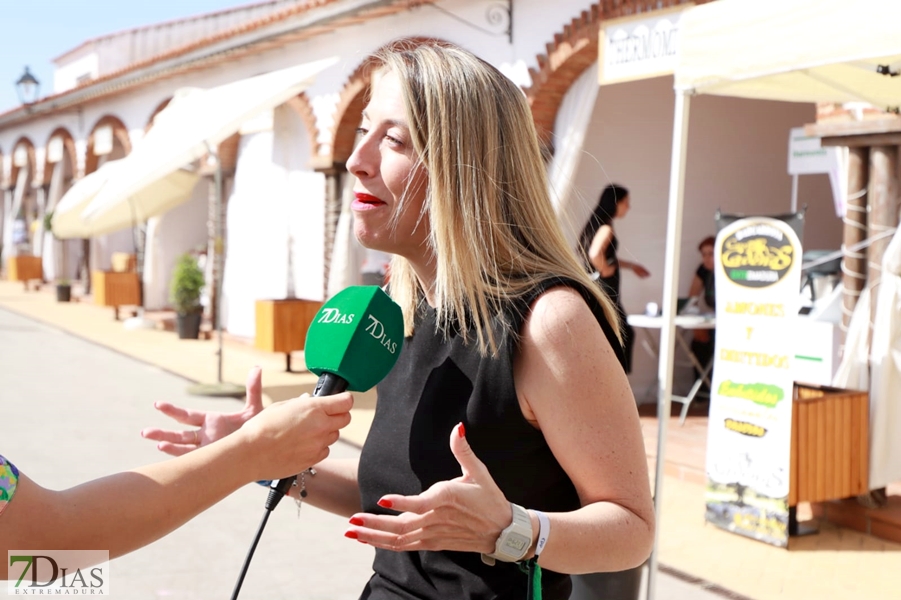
{"x":796,"y":51}
{"x":195,"y":123}
{"x":191,"y":127}
{"x":78,"y":215}
{"x":68,"y":220}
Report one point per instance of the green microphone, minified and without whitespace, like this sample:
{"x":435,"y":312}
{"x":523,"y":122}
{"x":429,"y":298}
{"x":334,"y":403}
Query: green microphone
{"x":354,"y":340}
{"x":352,"y":344}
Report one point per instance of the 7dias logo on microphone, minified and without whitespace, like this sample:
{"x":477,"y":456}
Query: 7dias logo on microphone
{"x":58,"y":573}
{"x":377,"y":330}
{"x":356,"y":336}
{"x":333,"y":315}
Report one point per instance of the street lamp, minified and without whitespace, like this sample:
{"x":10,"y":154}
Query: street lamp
{"x":28,"y":87}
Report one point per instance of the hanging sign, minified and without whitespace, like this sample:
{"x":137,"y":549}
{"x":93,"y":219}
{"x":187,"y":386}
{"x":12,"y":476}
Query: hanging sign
{"x":758,"y":274}
{"x":807,"y":156}
{"x":638,"y":48}
{"x":55,"y":149}
{"x":103,"y":140}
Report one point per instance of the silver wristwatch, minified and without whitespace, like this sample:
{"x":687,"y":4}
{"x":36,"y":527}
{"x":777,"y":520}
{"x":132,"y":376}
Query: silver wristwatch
{"x":514,"y":541}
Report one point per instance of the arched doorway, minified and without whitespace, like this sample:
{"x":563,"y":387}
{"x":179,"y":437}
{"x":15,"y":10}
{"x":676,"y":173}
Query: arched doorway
{"x":20,"y":210}
{"x":108,"y":140}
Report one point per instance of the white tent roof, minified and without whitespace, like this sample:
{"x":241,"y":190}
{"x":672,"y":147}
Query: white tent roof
{"x":787,"y":50}
{"x":198,"y":121}
{"x":792,"y":50}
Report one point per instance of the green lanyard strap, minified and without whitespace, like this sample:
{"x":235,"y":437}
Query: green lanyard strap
{"x":533,"y":570}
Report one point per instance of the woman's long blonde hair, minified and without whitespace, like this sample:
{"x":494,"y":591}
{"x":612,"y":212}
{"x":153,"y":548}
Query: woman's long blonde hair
{"x":494,"y":233}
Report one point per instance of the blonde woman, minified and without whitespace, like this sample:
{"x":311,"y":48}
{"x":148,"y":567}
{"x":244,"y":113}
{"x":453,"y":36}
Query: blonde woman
{"x":507,"y":427}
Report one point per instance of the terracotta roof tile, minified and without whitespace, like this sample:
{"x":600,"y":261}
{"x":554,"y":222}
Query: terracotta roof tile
{"x":393,"y":7}
{"x":164,"y":24}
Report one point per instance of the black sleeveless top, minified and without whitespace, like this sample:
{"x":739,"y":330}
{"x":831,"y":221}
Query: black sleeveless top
{"x":437,"y":383}
{"x":611,"y":284}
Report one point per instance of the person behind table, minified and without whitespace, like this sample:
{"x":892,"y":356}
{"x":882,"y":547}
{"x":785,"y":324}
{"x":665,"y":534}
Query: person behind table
{"x":599,"y":244}
{"x":511,"y":353}
{"x":125,"y":511}
{"x":702,"y":288}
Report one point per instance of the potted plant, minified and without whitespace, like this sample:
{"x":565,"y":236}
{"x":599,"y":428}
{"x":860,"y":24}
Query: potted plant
{"x":63,"y":286}
{"x":63,"y":290}
{"x":184,"y":292}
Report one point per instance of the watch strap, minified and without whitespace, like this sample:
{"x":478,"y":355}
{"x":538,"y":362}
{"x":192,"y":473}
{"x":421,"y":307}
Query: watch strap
{"x":514,"y":542}
{"x":544,"y":530}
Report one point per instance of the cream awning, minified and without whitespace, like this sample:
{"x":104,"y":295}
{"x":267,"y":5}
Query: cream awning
{"x":187,"y":129}
{"x":78,"y":215}
{"x":792,"y":50}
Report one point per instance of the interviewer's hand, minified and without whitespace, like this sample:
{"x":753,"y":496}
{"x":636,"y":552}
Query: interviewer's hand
{"x":287,"y":437}
{"x":211,"y":425}
{"x":465,"y":514}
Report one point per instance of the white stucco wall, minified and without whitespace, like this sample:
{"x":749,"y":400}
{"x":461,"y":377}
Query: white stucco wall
{"x":304,"y":194}
{"x":737,"y":156}
{"x":66,"y":77}
{"x":182,"y":229}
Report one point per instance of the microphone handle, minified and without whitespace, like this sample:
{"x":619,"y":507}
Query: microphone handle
{"x":327,"y":385}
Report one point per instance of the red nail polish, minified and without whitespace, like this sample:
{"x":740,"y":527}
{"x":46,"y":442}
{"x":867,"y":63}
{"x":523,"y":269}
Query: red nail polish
{"x":356,"y":521}
{"x":462,"y":430}
{"x":385,"y":503}
{"x":351,"y":534}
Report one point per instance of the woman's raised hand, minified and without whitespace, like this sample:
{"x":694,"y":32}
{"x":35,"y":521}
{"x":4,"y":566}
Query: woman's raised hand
{"x":210,"y":426}
{"x":465,"y":514}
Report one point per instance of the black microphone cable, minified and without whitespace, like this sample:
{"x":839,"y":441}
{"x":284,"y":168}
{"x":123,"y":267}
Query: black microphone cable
{"x":327,"y":385}
{"x":276,"y":493}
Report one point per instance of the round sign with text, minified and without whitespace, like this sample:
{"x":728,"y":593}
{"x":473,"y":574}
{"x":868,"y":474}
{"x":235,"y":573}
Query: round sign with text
{"x":758,"y":254}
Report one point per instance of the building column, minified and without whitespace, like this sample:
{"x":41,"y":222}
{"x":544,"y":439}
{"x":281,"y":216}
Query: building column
{"x":333,"y":179}
{"x":883,"y":196}
{"x":854,"y":273}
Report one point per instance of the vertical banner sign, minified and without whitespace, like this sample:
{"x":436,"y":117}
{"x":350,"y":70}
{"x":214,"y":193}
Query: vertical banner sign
{"x":758,"y":275}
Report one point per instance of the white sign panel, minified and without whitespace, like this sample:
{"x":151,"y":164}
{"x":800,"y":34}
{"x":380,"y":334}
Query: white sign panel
{"x":638,"y":48}
{"x":758,"y":273}
{"x":806,"y":156}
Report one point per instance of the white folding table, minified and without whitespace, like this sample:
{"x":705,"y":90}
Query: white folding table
{"x":686,"y":322}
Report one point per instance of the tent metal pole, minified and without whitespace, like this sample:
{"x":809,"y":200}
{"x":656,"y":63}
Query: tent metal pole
{"x":668,"y":329}
{"x":218,"y":266}
{"x":794,"y":206}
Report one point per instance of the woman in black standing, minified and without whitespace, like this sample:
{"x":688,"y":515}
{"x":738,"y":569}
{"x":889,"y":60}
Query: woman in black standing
{"x":599,"y":242}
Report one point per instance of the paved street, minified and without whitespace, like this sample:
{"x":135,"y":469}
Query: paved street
{"x":73,"y":411}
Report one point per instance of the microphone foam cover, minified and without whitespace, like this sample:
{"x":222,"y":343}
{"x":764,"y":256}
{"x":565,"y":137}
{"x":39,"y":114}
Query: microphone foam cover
{"x":357,"y":335}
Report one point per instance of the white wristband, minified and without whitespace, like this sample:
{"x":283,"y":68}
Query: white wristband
{"x":544,"y":530}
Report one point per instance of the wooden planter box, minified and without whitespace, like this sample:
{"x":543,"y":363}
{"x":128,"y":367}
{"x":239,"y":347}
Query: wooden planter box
{"x":281,"y":325}
{"x":830,"y":448}
{"x":24,"y":269}
{"x":115,"y":289}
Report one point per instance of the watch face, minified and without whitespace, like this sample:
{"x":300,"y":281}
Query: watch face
{"x":516,"y":544}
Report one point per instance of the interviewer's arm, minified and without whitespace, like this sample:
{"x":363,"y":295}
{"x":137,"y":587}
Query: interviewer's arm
{"x":128,"y":510}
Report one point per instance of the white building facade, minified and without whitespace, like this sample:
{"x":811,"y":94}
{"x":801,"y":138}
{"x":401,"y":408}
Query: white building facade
{"x":286,"y":177}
